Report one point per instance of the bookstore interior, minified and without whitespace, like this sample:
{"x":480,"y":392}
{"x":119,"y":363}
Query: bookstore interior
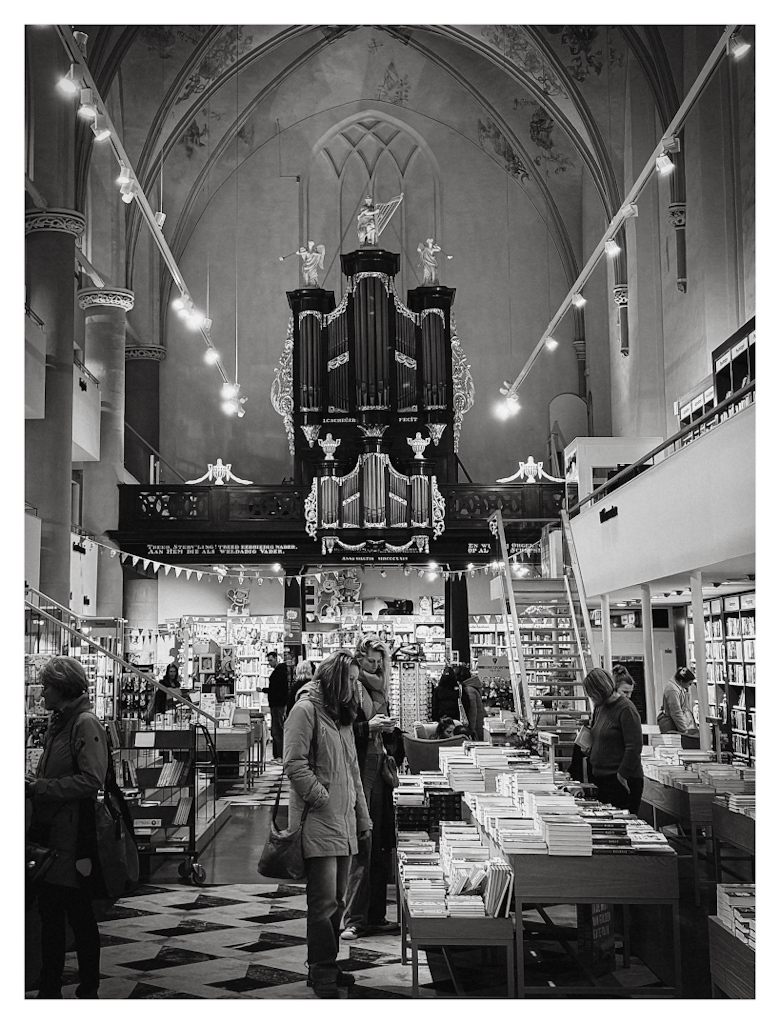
{"x":243,"y":458}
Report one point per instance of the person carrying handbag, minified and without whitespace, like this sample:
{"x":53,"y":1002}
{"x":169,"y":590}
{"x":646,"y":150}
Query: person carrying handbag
{"x":321,"y":763}
{"x":676,"y":714}
{"x":70,"y":774}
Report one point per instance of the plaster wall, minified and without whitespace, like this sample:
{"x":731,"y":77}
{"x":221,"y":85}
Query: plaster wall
{"x":179,"y":596}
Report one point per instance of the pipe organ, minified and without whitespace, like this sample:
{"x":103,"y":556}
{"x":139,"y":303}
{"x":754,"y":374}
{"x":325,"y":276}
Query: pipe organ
{"x":356,"y":383}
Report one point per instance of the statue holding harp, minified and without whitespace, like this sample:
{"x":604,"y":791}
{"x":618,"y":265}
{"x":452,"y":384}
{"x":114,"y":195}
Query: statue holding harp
{"x":372,"y":220}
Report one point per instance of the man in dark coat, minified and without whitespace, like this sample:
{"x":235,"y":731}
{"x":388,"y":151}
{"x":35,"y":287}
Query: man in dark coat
{"x":279,"y":682}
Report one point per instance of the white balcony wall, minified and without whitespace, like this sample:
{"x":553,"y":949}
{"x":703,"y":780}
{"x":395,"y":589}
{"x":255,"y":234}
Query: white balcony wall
{"x":34,"y":370}
{"x":32,"y":550}
{"x":694,"y":509}
{"x":86,"y":417}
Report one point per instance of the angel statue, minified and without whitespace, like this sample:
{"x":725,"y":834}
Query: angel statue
{"x":313,"y":260}
{"x":372,"y":220}
{"x":531,"y":470}
{"x":428,"y":262}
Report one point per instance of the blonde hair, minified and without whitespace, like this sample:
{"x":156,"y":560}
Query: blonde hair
{"x":598,"y":685}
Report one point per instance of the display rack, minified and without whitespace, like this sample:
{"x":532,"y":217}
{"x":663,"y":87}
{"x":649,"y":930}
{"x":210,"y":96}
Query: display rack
{"x":734,"y":366}
{"x":167,"y":776}
{"x":730,"y":651}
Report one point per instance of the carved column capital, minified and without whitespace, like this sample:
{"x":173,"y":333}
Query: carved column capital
{"x":154,"y":352}
{"x":579,"y":348}
{"x":677,"y":215}
{"x":120,"y":298}
{"x":70,"y":222}
{"x":620,"y":293}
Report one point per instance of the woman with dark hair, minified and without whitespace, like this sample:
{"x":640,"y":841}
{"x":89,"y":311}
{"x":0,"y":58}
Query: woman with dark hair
{"x":304,"y":672}
{"x":321,"y":764}
{"x":676,"y":714}
{"x":444,"y":699}
{"x":445,"y":728}
{"x":616,"y":753}
{"x":63,"y":790}
{"x":160,"y":702}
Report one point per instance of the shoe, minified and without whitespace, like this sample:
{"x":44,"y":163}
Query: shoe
{"x":343,"y":979}
{"x":323,"y":981}
{"x":384,"y":928}
{"x":353,"y":932}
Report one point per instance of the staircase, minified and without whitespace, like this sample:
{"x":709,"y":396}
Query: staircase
{"x":548,"y":640}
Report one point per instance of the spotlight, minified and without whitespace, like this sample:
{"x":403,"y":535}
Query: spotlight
{"x":578,"y":300}
{"x":127,"y":192}
{"x":407,"y":571}
{"x":229,"y":408}
{"x":178,"y":304}
{"x":160,"y":218}
{"x":663,"y":164}
{"x":86,"y":105}
{"x":229,"y":390}
{"x":383,"y":574}
{"x":630,"y":210}
{"x":211,"y":356}
{"x":738,"y":45}
{"x":81,"y":39}
{"x":551,"y":344}
{"x":433,"y":565}
{"x":100,"y":128}
{"x":502,"y":411}
{"x":207,"y":322}
{"x":611,"y":248}
{"x":470,"y":566}
{"x":195,"y":320}
{"x":70,"y":83}
{"x":240,"y":412}
{"x":124,"y":175}
{"x":433,"y":576}
{"x":276,"y":567}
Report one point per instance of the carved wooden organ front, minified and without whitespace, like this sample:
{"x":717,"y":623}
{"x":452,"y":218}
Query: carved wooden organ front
{"x":373,"y":392}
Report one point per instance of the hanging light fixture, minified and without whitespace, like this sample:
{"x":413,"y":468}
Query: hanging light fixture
{"x":611,"y":248}
{"x":578,"y":300}
{"x":551,"y":344}
{"x":86,"y":104}
{"x":100,"y":128}
{"x":70,"y":84}
{"x":630,"y":210}
{"x":738,"y":45}
{"x":128,"y":192}
{"x":211,"y":356}
{"x":125,"y":177}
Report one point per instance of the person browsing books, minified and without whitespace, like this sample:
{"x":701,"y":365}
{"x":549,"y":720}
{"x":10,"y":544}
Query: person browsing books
{"x":615,"y":755}
{"x":676,"y":714}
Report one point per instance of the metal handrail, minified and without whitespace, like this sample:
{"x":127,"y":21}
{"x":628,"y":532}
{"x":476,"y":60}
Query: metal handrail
{"x":86,"y":372}
{"x":154,"y":452}
{"x":34,"y":316}
{"x":124,"y":665}
{"x":609,"y":486}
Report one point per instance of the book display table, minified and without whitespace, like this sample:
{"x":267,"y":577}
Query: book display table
{"x":236,"y":739}
{"x":691,"y":811}
{"x":732,"y":963}
{"x":632,"y":880}
{"x":455,"y":931}
{"x":733,"y":830}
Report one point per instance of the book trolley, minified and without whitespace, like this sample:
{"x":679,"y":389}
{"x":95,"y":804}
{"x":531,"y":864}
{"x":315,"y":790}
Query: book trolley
{"x":171,"y":815}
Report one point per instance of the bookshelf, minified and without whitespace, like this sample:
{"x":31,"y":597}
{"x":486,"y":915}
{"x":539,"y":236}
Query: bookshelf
{"x":734,"y":364}
{"x":730,"y":651}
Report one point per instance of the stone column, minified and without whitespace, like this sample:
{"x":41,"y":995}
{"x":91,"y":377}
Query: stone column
{"x":456,"y":615}
{"x":142,"y":413}
{"x":677,"y":218}
{"x":105,"y":328}
{"x":50,"y":236}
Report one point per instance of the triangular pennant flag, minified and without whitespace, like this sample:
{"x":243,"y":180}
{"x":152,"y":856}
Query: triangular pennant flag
{"x":112,"y":552}
{"x":281,"y":579}
{"x":300,"y":579}
{"x":145,"y":562}
{"x":123,"y":557}
{"x":177,"y":570}
{"x":135,"y":559}
{"x":156,"y":566}
{"x":188,"y":573}
{"x":318,"y":576}
{"x":199,"y":575}
{"x":167,"y":569}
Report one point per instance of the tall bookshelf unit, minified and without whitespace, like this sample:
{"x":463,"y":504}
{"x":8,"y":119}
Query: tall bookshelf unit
{"x":730,"y":649}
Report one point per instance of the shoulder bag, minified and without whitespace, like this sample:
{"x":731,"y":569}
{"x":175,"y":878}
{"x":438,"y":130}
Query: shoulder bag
{"x":282,"y":855}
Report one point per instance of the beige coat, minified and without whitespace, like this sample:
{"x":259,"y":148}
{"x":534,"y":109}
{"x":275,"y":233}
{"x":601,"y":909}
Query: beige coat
{"x":330,"y":786}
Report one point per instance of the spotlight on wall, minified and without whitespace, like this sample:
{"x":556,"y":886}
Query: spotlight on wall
{"x":551,"y":344}
{"x":229,"y":390}
{"x":86,"y":104}
{"x":81,"y":39}
{"x":100,"y":128}
{"x":127,"y":192}
{"x":383,"y":574}
{"x":211,"y":356}
{"x":611,"y":248}
{"x":159,"y":218}
{"x":276,"y":567}
{"x":124,"y":175}
{"x":71,"y":83}
{"x":738,"y":45}
{"x":663,"y":164}
{"x":578,"y":300}
{"x":630,"y":210}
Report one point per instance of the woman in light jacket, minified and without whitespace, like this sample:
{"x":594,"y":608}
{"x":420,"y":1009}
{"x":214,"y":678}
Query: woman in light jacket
{"x":471,"y":697}
{"x":63,"y":791}
{"x":676,"y":714}
{"x":321,"y":764}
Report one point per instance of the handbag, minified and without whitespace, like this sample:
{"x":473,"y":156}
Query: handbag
{"x":117,"y":853}
{"x":390,"y":772}
{"x":37,"y":861}
{"x":282,"y":855}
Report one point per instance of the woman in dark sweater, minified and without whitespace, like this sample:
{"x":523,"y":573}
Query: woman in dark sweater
{"x":616,"y":755}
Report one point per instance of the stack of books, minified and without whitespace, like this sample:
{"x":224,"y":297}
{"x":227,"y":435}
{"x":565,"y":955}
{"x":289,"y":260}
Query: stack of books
{"x":742,"y":803}
{"x":465,"y":906}
{"x":410,"y":792}
{"x":566,"y":835}
{"x":498,"y":888}
{"x":610,"y":835}
{"x":736,"y":897}
{"x":171,"y":773}
{"x":519,"y":840}
{"x":745,"y":925}
{"x":645,"y":839}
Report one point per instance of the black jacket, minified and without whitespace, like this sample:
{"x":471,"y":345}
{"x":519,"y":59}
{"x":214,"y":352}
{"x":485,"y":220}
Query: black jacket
{"x":277,"y":687}
{"x":444,"y":701}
